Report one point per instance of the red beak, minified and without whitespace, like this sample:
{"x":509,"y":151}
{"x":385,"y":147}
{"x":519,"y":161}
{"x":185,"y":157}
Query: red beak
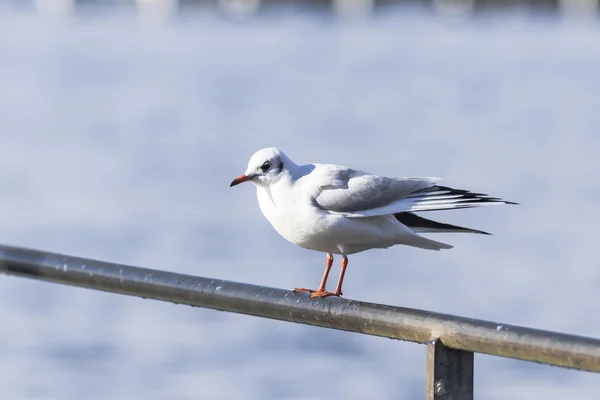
{"x":241,"y":179}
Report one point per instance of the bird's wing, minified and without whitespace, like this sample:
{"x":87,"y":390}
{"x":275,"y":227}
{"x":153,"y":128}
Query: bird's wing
{"x":359,"y":194}
{"x":354,"y":193}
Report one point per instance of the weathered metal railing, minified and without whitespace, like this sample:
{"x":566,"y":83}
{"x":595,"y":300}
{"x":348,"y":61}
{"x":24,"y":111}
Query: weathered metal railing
{"x":451,"y":341}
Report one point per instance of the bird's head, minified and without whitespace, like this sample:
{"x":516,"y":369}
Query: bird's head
{"x":264,"y":168}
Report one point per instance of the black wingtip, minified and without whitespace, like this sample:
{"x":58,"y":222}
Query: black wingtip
{"x":469,"y":230}
{"x":415,"y":221}
{"x":463,"y":197}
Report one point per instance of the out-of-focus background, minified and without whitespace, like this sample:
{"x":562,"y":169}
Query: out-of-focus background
{"x":122,"y":124}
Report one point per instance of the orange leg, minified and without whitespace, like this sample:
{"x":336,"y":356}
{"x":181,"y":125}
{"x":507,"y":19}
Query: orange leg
{"x":321,"y":288}
{"x":338,"y":289}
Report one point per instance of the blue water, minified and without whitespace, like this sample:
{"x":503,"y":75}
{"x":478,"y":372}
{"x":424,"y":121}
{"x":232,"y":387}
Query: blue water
{"x":119,"y":140}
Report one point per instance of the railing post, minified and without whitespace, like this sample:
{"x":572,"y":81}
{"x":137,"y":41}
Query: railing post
{"x":449,"y":373}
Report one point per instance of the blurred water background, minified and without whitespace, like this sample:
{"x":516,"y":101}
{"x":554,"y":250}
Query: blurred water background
{"x":119,"y":137}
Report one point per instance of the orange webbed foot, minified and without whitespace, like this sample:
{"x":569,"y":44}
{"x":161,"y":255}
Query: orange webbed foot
{"x":324,"y":293}
{"x":302,"y":290}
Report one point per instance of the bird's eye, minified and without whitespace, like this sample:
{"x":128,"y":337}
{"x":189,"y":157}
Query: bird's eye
{"x":265,"y":166}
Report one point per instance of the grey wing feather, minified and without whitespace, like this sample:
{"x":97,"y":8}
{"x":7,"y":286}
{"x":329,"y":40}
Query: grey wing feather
{"x":351,"y":191}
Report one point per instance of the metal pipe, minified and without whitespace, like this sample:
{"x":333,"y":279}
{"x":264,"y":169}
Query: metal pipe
{"x":336,"y":313}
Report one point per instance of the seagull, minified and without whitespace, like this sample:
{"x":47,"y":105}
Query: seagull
{"x":339,"y":210}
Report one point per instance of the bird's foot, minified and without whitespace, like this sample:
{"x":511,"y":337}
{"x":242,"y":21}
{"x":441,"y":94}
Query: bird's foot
{"x":324,"y":293}
{"x":317,"y":293}
{"x":302,"y":290}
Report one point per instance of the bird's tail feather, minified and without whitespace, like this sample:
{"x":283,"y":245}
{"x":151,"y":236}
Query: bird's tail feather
{"x":421,"y":242}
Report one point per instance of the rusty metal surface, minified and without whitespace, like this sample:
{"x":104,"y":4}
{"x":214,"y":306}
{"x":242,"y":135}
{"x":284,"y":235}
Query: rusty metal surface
{"x":336,"y":313}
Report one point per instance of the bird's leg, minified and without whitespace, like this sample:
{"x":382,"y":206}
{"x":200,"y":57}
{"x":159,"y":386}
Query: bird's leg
{"x":338,"y":290}
{"x":321,"y":288}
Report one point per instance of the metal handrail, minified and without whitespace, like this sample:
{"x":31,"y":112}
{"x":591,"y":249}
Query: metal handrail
{"x":458,"y":333}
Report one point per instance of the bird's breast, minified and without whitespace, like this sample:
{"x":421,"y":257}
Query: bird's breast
{"x":295,"y":221}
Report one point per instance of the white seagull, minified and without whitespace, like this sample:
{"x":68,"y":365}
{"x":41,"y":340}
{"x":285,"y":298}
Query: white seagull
{"x":339,"y":210}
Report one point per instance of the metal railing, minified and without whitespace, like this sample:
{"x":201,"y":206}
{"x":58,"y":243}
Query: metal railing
{"x":451,"y":341}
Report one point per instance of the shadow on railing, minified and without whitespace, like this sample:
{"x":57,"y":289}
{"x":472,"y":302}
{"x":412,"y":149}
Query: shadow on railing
{"x":451,"y":341}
